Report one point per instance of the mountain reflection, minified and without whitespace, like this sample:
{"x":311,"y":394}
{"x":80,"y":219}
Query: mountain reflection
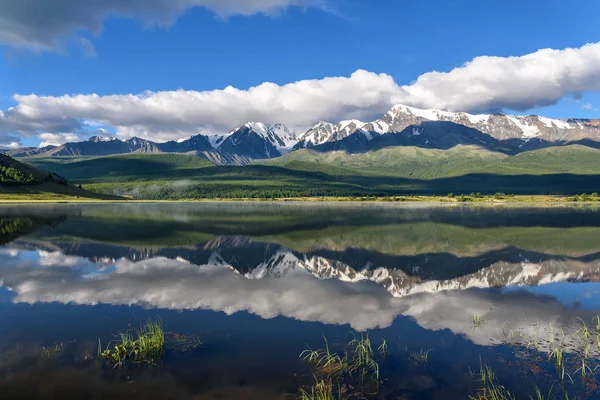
{"x":427,"y":263}
{"x":307,"y":289}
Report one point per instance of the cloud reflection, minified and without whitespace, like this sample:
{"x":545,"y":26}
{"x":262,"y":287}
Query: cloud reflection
{"x":41,"y":276}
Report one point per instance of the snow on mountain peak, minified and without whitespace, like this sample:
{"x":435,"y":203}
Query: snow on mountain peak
{"x":259,"y":128}
{"x":216,"y":140}
{"x":525,"y":127}
{"x":285,"y":133}
{"x":100,"y":138}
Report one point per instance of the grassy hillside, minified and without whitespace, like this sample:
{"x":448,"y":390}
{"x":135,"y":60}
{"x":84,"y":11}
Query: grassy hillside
{"x":395,"y":171}
{"x":414,"y":162}
{"x":20,"y":181}
{"x":127,"y":167}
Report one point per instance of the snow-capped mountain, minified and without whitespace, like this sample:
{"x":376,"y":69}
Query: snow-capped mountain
{"x":256,"y":141}
{"x":216,"y":140}
{"x":499,"y":126}
{"x":324,"y":132}
{"x":400,"y":126}
{"x":96,"y":139}
{"x":287,"y":135}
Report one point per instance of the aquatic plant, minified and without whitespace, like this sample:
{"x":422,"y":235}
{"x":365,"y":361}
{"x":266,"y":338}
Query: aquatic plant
{"x":584,"y":369}
{"x":49,"y":352}
{"x":476,"y":320}
{"x":357,"y":366}
{"x":490,"y":389}
{"x":539,"y":395}
{"x":383,"y":347}
{"x":182,"y":343}
{"x":142,"y":345}
{"x":362,"y":356}
{"x":321,"y":390}
{"x":421,"y":357}
{"x":324,"y":360}
{"x":557,"y":355}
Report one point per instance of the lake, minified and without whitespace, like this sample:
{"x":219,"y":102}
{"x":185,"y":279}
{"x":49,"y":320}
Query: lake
{"x":283,"y":300}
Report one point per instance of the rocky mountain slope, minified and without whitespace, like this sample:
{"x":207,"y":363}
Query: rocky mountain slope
{"x":400,"y":126}
{"x":499,"y":126}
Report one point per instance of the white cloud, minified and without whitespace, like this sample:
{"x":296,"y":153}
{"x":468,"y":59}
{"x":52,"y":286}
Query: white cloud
{"x":174,"y":114}
{"x":588,"y":107}
{"x":44,"y":25}
{"x":512,"y":83}
{"x":10,"y":145}
{"x":517,"y":83}
{"x":56,"y":139}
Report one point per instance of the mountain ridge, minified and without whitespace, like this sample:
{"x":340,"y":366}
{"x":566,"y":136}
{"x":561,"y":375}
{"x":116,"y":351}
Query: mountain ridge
{"x":400,"y":126}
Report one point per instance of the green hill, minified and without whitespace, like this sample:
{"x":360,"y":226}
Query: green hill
{"x":126,"y":167}
{"x":414,"y":162}
{"x":20,"y":181}
{"x":393,"y":171}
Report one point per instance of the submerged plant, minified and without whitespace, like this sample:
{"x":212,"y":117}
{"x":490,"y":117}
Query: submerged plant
{"x":182,"y":343}
{"x":49,"y":352}
{"x":421,"y":357}
{"x":142,"y":345}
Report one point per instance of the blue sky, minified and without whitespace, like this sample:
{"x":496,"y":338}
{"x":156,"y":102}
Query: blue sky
{"x":207,"y":47}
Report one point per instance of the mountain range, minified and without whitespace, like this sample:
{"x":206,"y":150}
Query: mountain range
{"x":400,"y":126}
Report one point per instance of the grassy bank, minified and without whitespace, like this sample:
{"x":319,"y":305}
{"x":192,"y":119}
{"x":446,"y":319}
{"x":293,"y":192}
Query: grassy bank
{"x":398,"y":173}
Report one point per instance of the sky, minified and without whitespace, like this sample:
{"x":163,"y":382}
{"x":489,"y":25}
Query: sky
{"x":167,"y":69}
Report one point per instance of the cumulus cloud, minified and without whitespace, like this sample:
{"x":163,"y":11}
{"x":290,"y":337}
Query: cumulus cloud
{"x":485,"y":83}
{"x":174,"y":114}
{"x":56,"y":139}
{"x":517,"y":83}
{"x":8,"y":140}
{"x":44,"y":25}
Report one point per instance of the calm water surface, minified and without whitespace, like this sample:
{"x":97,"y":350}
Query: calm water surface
{"x":258,"y":283}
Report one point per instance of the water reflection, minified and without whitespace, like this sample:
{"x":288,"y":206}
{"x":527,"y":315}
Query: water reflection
{"x":524,"y":273}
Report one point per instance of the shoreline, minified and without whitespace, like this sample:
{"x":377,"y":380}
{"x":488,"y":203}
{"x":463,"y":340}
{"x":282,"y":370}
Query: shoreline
{"x":381,"y":200}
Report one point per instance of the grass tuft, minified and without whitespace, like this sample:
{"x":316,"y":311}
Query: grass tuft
{"x":145,"y":344}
